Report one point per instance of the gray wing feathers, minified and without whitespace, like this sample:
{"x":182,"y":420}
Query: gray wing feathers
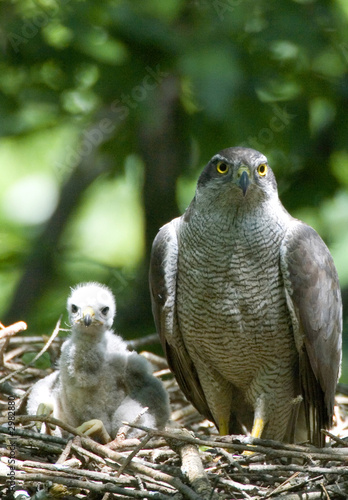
{"x":312,"y":283}
{"x":145,"y":389}
{"x":163,"y":279}
{"x":163,"y":272}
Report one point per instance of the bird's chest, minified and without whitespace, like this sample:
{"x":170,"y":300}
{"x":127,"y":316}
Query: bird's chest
{"x":84,"y":373}
{"x":89,"y":390}
{"x":81,"y":366}
{"x":230,"y":297}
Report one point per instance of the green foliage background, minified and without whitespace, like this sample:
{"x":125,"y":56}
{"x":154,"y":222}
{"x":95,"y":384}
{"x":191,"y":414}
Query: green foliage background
{"x":110,"y":109}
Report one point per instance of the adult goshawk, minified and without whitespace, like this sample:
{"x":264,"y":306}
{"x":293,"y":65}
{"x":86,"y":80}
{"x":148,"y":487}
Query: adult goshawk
{"x":247,"y":303}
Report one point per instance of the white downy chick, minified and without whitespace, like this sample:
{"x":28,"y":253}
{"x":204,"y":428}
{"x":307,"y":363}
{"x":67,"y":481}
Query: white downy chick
{"x":99,"y":383}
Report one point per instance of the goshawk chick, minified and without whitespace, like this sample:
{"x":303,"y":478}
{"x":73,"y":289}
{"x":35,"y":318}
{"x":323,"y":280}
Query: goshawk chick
{"x":99,"y":383}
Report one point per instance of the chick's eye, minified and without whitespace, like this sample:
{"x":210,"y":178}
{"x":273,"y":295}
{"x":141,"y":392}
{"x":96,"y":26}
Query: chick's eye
{"x":262,"y":169}
{"x":105,"y":310}
{"x":222,"y":167}
{"x":74,"y":308}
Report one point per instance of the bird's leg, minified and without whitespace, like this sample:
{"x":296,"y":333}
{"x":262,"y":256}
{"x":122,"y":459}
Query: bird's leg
{"x":95,"y":428}
{"x":256,"y":431}
{"x":258,"y":427}
{"x":223,"y":426}
{"x":45,"y":409}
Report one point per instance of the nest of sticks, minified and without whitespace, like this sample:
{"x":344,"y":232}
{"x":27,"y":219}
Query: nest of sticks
{"x":187,"y":460}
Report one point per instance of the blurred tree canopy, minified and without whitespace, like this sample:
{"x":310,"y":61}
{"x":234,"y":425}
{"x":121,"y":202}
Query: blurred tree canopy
{"x":110,"y":109}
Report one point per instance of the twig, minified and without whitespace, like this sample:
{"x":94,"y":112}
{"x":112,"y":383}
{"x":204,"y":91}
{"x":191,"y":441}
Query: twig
{"x":244,"y":489}
{"x":140,"y":468}
{"x":15,"y":353}
{"x":26,"y":433}
{"x":155,"y":360}
{"x":161,"y":373}
{"x":310,"y":495}
{"x":10,"y":331}
{"x":191,"y":462}
{"x":325,"y":491}
{"x":231,"y":460}
{"x":65,"y":453}
{"x":259,"y":446}
{"x":117,"y":457}
{"x":68,"y":472}
{"x":43,"y":446}
{"x":39,"y":354}
{"x":24,"y":419}
{"x":97,"y":488}
{"x":153,"y":338}
{"x":183,"y":412}
{"x":337,"y":440}
{"x":298,"y":468}
{"x":6,"y":388}
{"x":32,"y":339}
{"x":281,"y":487}
{"x":132,"y":455}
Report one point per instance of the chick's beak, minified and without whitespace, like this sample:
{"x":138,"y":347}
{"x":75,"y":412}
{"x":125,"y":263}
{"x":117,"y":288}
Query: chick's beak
{"x":243,"y":176}
{"x":88,"y":315}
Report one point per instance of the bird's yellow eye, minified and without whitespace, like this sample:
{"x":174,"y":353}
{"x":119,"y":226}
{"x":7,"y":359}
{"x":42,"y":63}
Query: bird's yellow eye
{"x":222,"y":167}
{"x":262,"y":169}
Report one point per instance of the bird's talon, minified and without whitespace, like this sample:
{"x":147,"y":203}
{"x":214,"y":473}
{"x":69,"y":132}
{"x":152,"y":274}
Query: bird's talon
{"x":44,"y":409}
{"x":248,"y":453}
{"x":95,"y":428}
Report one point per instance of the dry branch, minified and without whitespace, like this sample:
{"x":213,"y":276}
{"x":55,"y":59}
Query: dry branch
{"x":191,"y":463}
{"x":33,"y":361}
{"x":9,"y":331}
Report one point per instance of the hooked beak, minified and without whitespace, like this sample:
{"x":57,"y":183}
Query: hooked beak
{"x":243,"y":176}
{"x":88,"y":315}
